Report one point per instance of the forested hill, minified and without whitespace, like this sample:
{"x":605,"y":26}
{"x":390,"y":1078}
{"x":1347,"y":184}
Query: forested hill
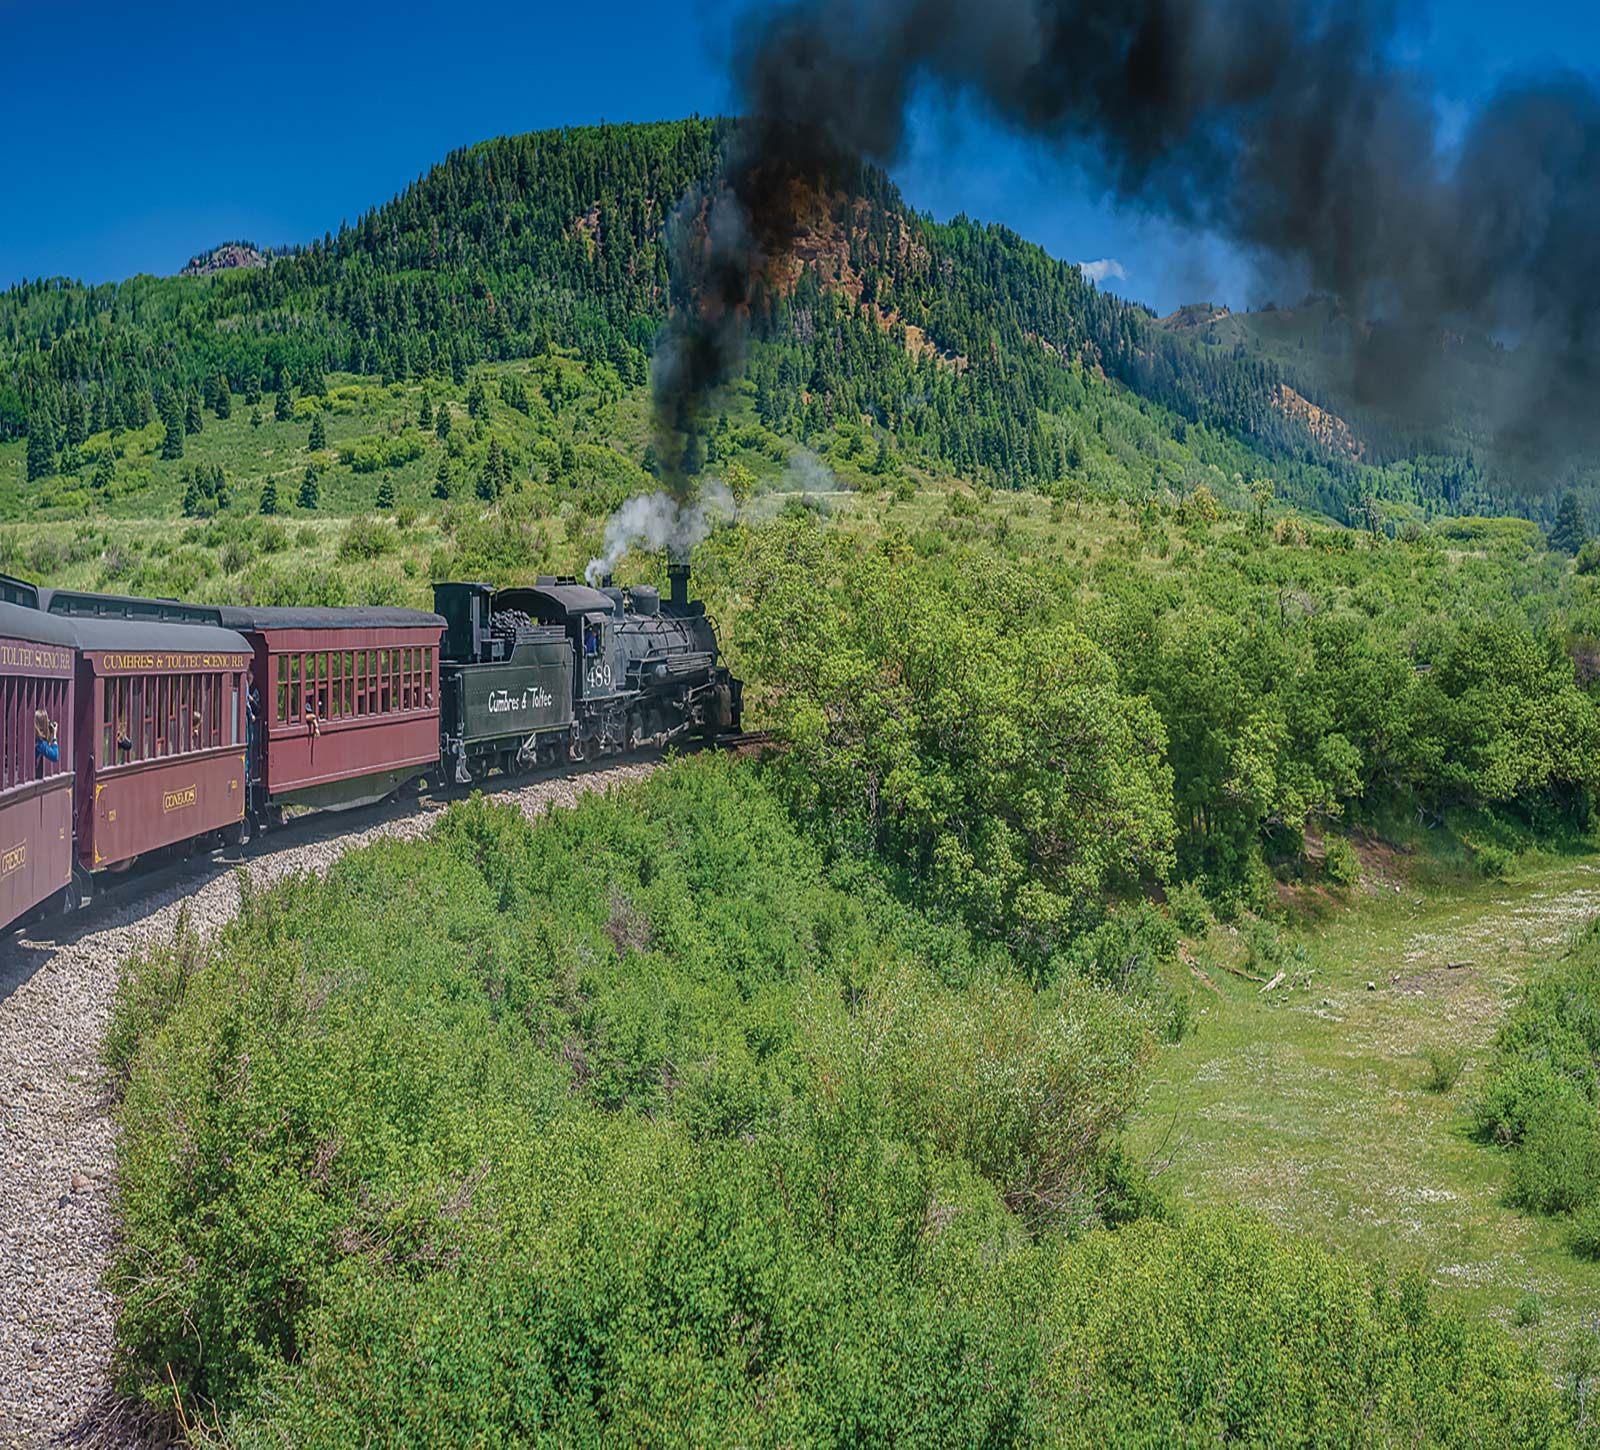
{"x":965,"y":346}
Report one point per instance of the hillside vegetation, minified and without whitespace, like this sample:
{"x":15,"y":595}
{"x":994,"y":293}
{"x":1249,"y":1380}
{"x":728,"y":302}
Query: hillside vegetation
{"x":643,"y":1125}
{"x":953,"y":346}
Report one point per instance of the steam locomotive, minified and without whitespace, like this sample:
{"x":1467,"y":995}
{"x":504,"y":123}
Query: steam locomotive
{"x":558,"y":671}
{"x":135,"y":726}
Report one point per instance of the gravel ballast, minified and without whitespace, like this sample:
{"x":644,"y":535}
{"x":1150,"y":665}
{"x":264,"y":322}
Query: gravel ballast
{"x":57,"y":1145}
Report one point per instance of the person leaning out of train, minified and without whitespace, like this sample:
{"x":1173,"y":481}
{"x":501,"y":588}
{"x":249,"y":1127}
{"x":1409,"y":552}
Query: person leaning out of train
{"x":46,"y":748}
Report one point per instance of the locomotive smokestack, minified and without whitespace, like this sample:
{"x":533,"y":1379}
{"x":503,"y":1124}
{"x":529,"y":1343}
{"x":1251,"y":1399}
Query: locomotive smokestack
{"x":678,"y":580}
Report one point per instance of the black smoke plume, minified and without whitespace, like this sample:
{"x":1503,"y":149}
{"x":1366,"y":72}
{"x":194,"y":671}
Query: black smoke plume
{"x":1283,"y":126}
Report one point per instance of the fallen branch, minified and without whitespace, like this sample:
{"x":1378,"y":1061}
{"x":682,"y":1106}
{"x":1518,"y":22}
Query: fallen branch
{"x":1277,"y":981}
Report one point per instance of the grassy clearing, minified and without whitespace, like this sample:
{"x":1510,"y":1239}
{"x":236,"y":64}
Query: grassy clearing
{"x":1316,"y":1105}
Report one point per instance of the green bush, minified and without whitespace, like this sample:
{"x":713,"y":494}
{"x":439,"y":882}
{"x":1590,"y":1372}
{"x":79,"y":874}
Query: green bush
{"x":1444,"y":1066}
{"x":1340,"y":863}
{"x":1219,"y":1331}
{"x":1557,"y":1169}
{"x":1189,"y":909}
{"x":1539,"y":1095}
{"x":398,"y":1086}
{"x":370,"y":455}
{"x":1530,"y":1310}
{"x":365,"y":537}
{"x":1494,"y":862}
{"x":1584,"y":1239}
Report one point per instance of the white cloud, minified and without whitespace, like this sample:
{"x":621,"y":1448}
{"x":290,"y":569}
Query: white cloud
{"x":1097,"y":272}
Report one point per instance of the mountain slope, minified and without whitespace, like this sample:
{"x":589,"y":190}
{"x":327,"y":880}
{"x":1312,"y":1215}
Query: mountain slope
{"x":959,"y":345}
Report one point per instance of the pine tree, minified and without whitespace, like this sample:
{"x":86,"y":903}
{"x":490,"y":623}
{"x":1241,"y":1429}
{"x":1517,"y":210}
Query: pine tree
{"x":385,"y":499}
{"x":77,"y":418}
{"x":105,"y":473}
{"x":255,"y":417}
{"x":693,"y":459}
{"x":41,"y":448}
{"x":191,"y":499}
{"x":283,"y":406}
{"x":223,"y":407}
{"x":441,"y":421}
{"x":442,"y":482}
{"x":269,"y":497}
{"x":319,"y":434}
{"x":193,"y":420}
{"x":1570,"y":529}
{"x":312,"y":383}
{"x":477,"y":401}
{"x":310,"y":490}
{"x":172,"y":419}
{"x":425,"y":414}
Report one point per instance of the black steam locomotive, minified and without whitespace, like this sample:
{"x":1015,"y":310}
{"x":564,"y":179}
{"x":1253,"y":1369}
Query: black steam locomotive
{"x":556,"y":670}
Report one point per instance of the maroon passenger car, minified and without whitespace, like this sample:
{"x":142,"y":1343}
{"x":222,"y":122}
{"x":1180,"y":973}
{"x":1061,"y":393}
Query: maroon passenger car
{"x":159,"y":736}
{"x":36,"y":655}
{"x":347,"y":702}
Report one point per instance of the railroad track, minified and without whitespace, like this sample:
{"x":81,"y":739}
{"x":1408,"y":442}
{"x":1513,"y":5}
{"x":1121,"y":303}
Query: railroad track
{"x":742,"y":739}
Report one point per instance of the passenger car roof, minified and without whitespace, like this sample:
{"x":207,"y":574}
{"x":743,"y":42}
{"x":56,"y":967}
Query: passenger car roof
{"x":263,"y":617}
{"x":18,"y":621}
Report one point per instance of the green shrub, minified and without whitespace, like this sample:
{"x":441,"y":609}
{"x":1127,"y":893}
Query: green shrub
{"x":1190,"y":912}
{"x":271,"y":537}
{"x":365,"y":537}
{"x":150,"y":989}
{"x":1530,"y":1310}
{"x":1444,"y":1065}
{"x":1557,"y":1169}
{"x":1340,"y":863}
{"x":1218,"y":1331}
{"x":1127,"y":951}
{"x":370,"y":455}
{"x":1584,"y":1238}
{"x":1494,"y":862}
{"x":352,"y":1054}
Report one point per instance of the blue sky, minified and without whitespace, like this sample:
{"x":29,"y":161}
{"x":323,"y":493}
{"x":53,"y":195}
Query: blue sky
{"x":138,"y":134}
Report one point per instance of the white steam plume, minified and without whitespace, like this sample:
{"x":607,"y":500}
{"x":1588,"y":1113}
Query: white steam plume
{"x":655,"y":521}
